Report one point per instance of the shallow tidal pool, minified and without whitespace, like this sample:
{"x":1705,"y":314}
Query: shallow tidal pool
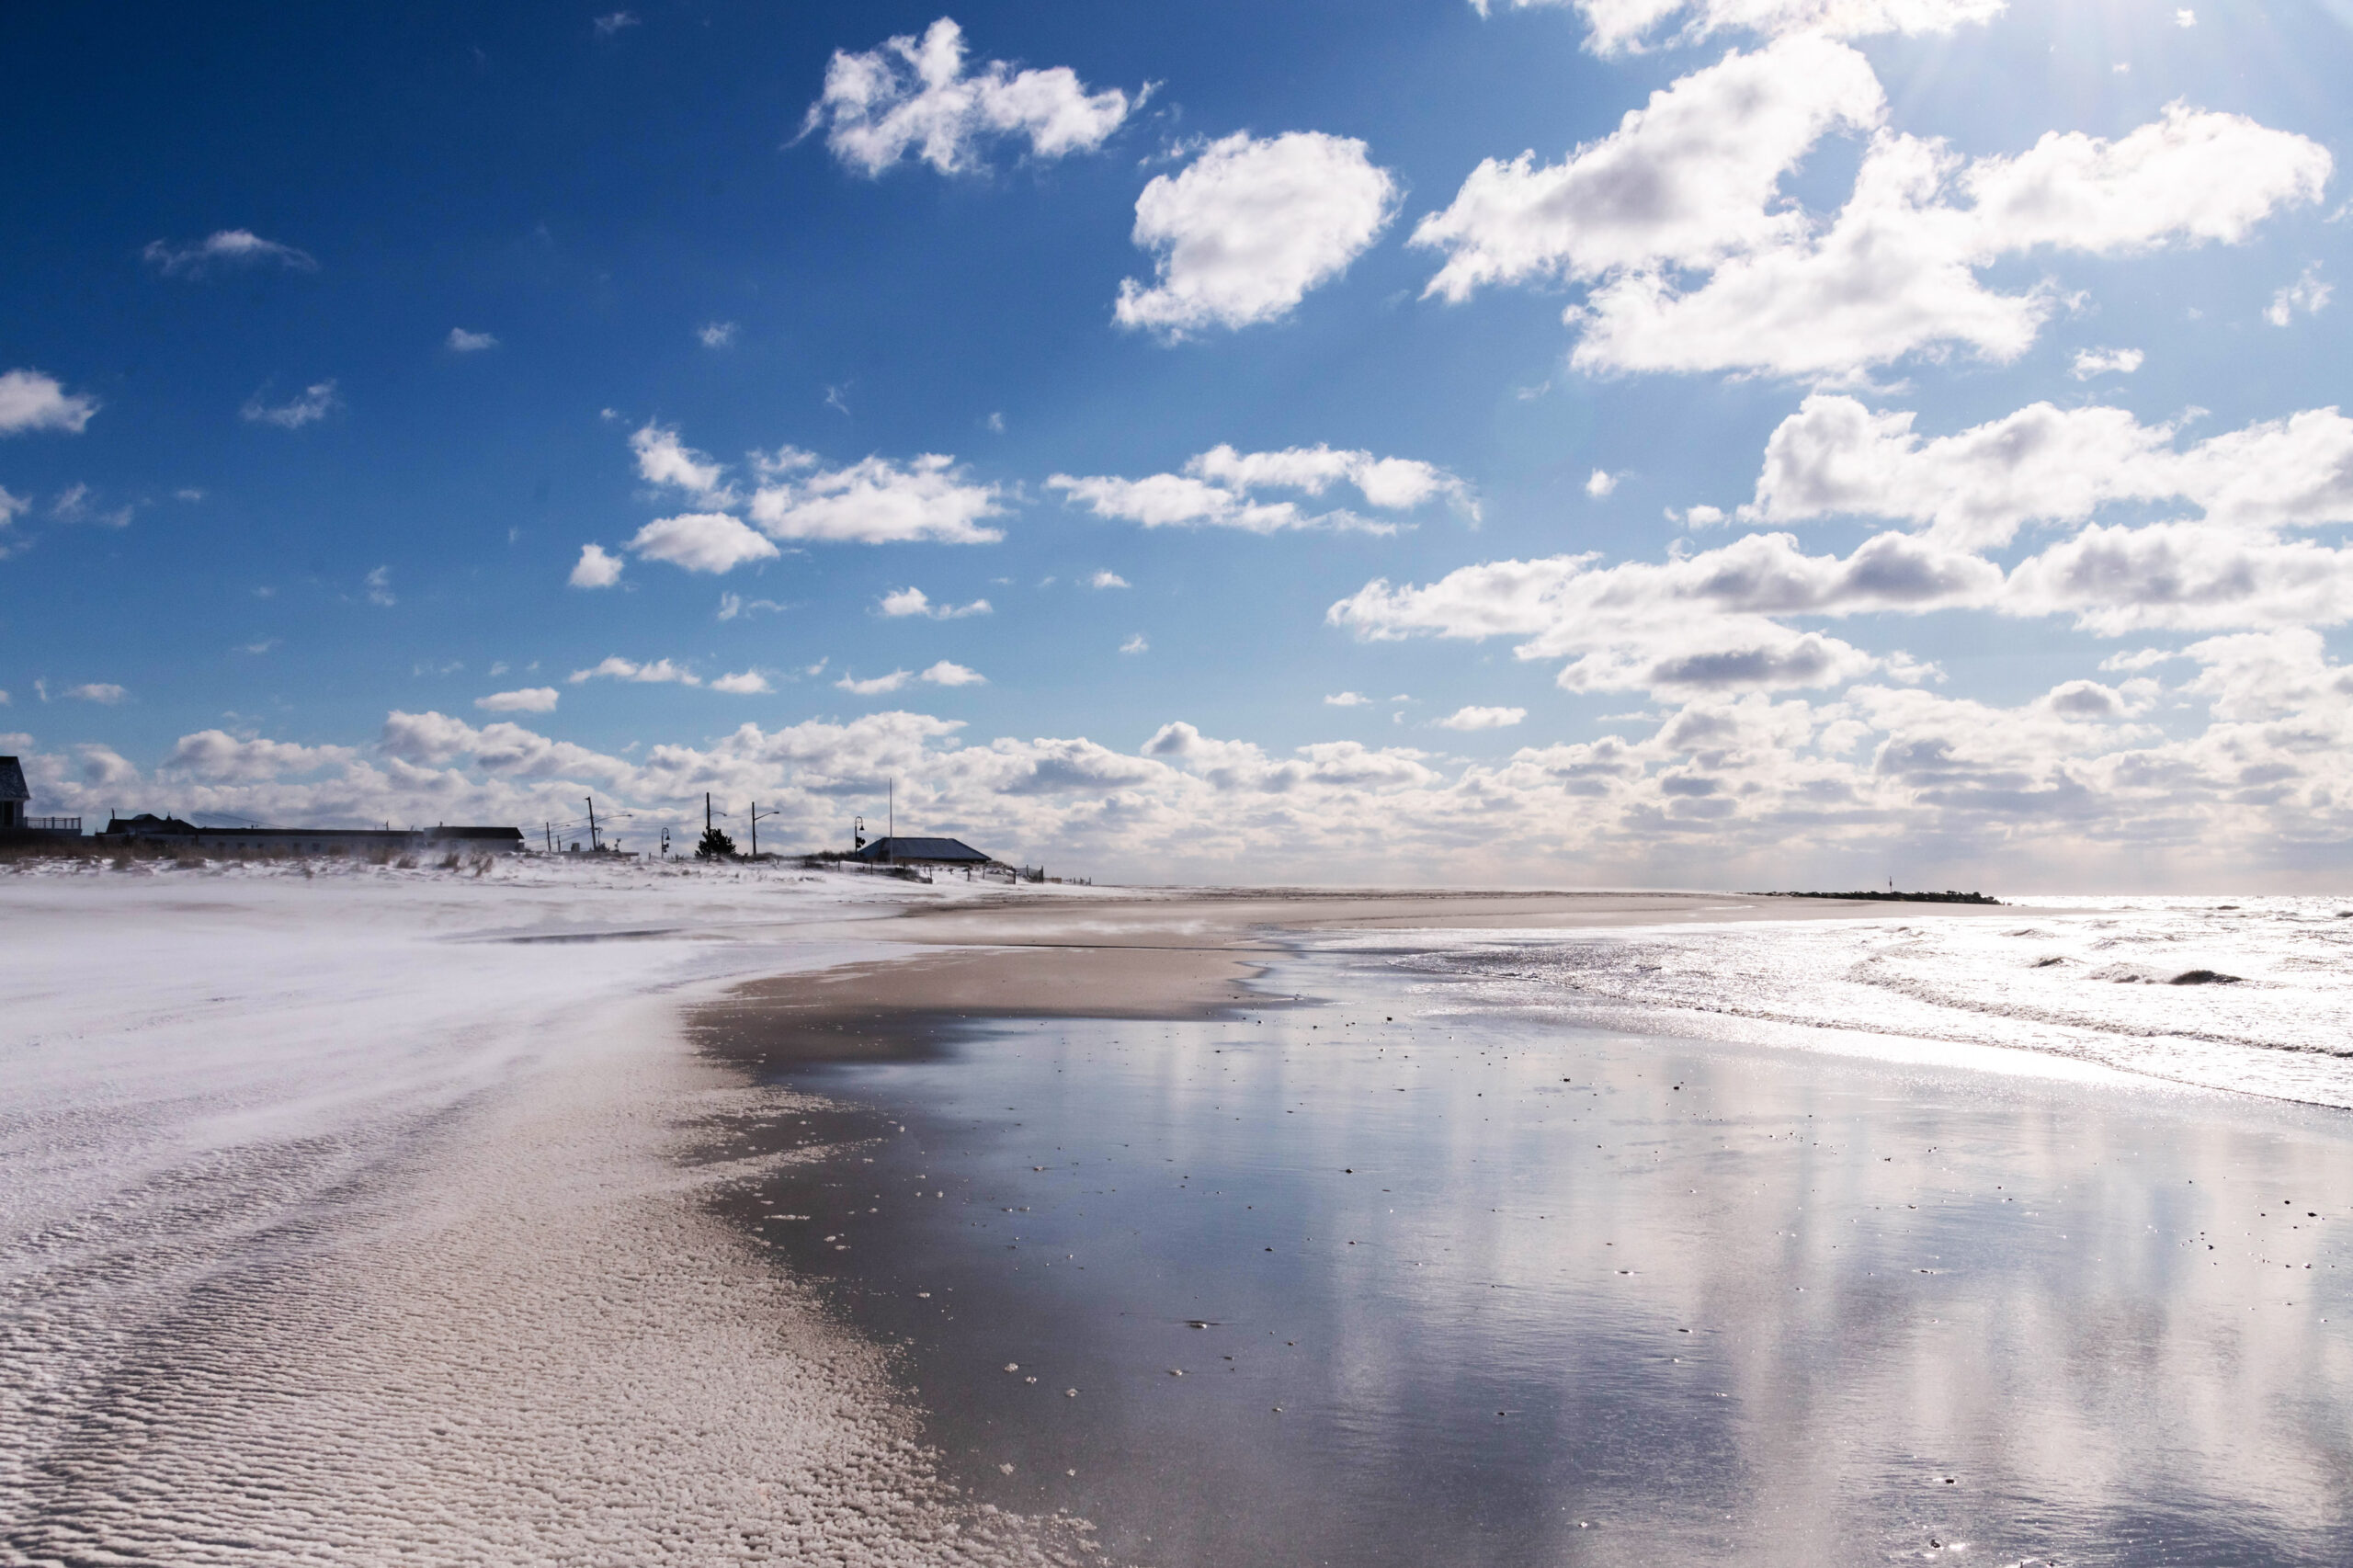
{"x":1370,"y":1281}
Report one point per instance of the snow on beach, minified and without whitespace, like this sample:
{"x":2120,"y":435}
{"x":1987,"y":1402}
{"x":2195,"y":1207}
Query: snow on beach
{"x":2254,"y":996}
{"x":342,"y":1224}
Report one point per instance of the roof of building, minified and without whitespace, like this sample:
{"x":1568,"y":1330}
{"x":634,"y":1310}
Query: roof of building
{"x":148,"y":821}
{"x":954,"y":851}
{"x":12,"y":781}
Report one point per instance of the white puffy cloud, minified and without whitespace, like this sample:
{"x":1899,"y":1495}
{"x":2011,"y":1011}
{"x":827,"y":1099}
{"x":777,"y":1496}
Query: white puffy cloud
{"x":217,"y":756}
{"x":874,"y":686}
{"x":105,"y":693}
{"x":906,"y":602}
{"x":595,"y":569}
{"x":1348,"y":700}
{"x":2073,"y":783}
{"x":1476,"y":718}
{"x":2090,"y":362}
{"x":1244,"y":230}
{"x":874,"y":500}
{"x":796,"y":497}
{"x":1686,"y":181}
{"x":1694,"y":263}
{"x":224,"y":248}
{"x":1107,"y":578}
{"x":461,"y":341}
{"x":31,"y":400}
{"x":1702,"y":623}
{"x":910,"y":97}
{"x":2307,"y":294}
{"x":947,"y":674}
{"x":1216,"y":490}
{"x":1602,"y":482}
{"x":315,"y":403}
{"x":1631,"y":26}
{"x":1137,"y":643}
{"x":2043,"y":463}
{"x":699,"y":541}
{"x":658,"y":672}
{"x":2184,"y":576}
{"x":526,"y":699}
{"x":743,"y":683}
{"x":663,"y":459}
{"x":716,"y":335}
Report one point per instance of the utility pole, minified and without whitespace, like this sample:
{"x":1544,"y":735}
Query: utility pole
{"x":592,"y":823}
{"x":549,"y":828}
{"x":706,"y":811}
{"x":756,"y":830}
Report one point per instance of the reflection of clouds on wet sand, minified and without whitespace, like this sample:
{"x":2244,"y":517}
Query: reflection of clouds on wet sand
{"x":1695,"y":1303}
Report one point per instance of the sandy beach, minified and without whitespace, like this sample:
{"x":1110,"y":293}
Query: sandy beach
{"x":561,"y":1217}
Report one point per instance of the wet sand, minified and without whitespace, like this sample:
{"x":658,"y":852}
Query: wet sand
{"x":1447,"y":1288}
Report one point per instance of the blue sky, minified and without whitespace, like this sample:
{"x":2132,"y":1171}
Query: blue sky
{"x":1905,"y":446}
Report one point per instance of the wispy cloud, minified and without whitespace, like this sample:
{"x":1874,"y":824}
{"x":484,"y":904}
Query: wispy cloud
{"x":317,"y":401}
{"x":461,"y":341}
{"x":105,"y":693}
{"x":906,"y":602}
{"x":530,"y":700}
{"x":659,"y":671}
{"x":224,"y":248}
{"x":1476,"y":718}
{"x":875,"y":686}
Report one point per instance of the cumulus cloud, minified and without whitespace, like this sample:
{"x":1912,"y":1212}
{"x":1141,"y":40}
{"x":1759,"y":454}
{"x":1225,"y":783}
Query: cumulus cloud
{"x":378,"y":584}
{"x":874,"y":686}
{"x":1107,"y":578}
{"x":2090,"y":362}
{"x":1687,"y":180}
{"x":1975,"y":489}
{"x":1347,"y":699}
{"x":1702,"y":623}
{"x":744,"y":683}
{"x":912,"y":97}
{"x":716,"y":335}
{"x":1244,"y":230}
{"x":1137,"y":643}
{"x":906,"y":602}
{"x":105,"y":693}
{"x":663,"y":459}
{"x":315,"y":403}
{"x":699,"y":541}
{"x":217,"y":756}
{"x":1602,"y":482}
{"x":461,"y":341}
{"x":1217,"y":489}
{"x":947,"y":674}
{"x":615,"y":667}
{"x":31,"y":400}
{"x":796,"y":497}
{"x":223,"y":249}
{"x":528,"y":699}
{"x":596,"y":569}
{"x":874,"y":500}
{"x":1632,"y":26}
{"x":1474,"y":718}
{"x":2307,"y":294}
{"x":1693,"y":261}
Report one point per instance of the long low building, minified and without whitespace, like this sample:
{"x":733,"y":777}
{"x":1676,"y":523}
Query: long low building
{"x":172,"y":833}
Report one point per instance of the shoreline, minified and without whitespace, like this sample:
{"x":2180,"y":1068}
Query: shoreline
{"x":1056,"y":1215}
